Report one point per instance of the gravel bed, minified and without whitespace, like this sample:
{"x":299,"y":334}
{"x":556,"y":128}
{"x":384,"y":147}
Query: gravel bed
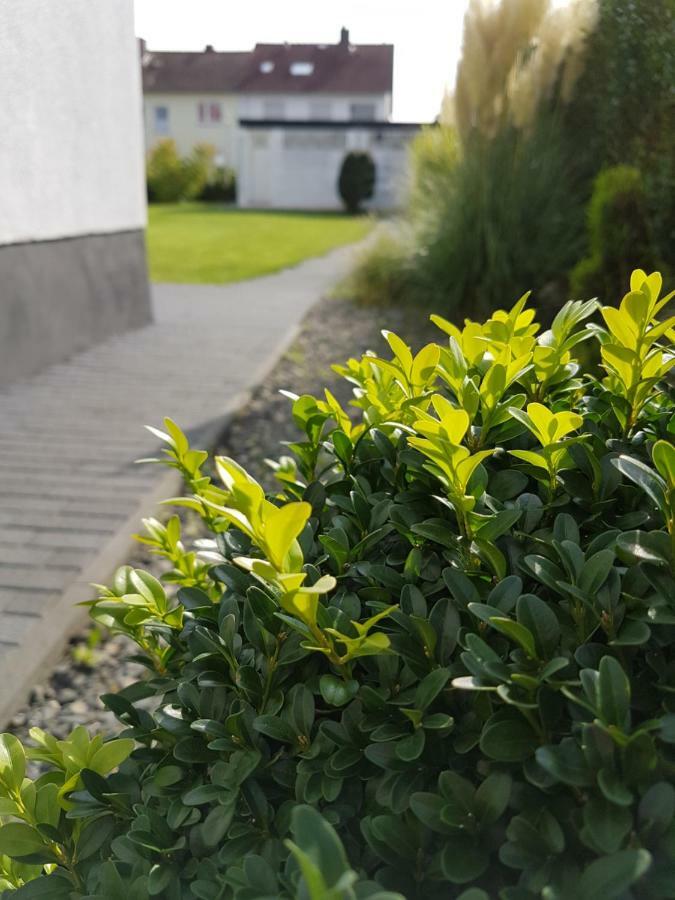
{"x":333,"y":331}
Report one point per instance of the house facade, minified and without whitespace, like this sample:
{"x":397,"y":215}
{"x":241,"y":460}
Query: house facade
{"x":283,"y":116}
{"x":72,"y":252}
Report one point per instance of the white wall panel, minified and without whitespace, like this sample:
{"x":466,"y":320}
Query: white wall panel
{"x":71,"y":144}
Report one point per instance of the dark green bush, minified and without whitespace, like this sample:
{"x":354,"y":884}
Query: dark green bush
{"x":623,"y":111}
{"x":439,"y":661}
{"x":221,"y":186}
{"x":356,"y":181}
{"x":480,"y":237}
{"x":619,"y":234}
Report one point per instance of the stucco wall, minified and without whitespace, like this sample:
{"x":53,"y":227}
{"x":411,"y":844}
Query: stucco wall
{"x":72,"y":192}
{"x":70,"y":112}
{"x":286,"y":168}
{"x":184,"y":126}
{"x":308,"y":106}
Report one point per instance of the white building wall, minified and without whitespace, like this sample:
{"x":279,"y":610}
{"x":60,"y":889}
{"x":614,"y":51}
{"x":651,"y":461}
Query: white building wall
{"x":71,"y":153}
{"x":309,"y":106}
{"x":298,"y":168}
{"x":184,"y":127}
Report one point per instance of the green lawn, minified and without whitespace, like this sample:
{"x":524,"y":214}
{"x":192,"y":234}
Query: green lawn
{"x":200,"y":243}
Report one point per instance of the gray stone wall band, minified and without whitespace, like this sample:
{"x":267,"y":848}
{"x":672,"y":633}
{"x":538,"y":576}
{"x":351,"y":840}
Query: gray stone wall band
{"x":59,"y":297}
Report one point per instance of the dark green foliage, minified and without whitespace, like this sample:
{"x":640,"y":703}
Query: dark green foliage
{"x":221,"y":186}
{"x":507,"y":215}
{"x":356,"y":181}
{"x":439,"y":662}
{"x":623,"y":111}
{"x":619,"y":231}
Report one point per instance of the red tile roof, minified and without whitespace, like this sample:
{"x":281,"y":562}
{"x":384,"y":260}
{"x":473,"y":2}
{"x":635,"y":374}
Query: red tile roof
{"x":192,"y":72}
{"x":334,"y":68}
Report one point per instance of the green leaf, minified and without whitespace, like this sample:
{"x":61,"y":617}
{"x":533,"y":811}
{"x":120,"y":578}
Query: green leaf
{"x":517,"y":632}
{"x":463,"y":859}
{"x":12,"y":762}
{"x":606,"y":825}
{"x":644,"y":547}
{"x":159,"y":879}
{"x":111,"y":755}
{"x":566,"y":762}
{"x":613,"y":689}
{"x":498,"y":524}
{"x":427,"y":807}
{"x":18,"y":839}
{"x":492,"y":797}
{"x":651,"y":483}
{"x":595,"y":572}
{"x":541,"y":622}
{"x":663,"y":454}
{"x":657,"y":808}
{"x":430,"y":687}
{"x":335,"y":691}
{"x":611,"y":876}
{"x":319,"y":840}
{"x":411,"y":747}
{"x":508,"y":740}
{"x":282,"y":527}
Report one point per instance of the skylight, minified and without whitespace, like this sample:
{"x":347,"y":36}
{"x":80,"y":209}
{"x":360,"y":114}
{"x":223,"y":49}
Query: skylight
{"x":267,"y":66}
{"x":302,"y":68}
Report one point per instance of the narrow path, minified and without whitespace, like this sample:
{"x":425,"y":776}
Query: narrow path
{"x":70,"y":492}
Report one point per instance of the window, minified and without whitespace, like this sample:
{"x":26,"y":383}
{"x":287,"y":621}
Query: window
{"x":273,"y":109}
{"x":267,"y":66}
{"x":302,"y":68}
{"x":319,"y":110}
{"x":209,"y":113}
{"x":161,"y":119}
{"x":362,"y":112}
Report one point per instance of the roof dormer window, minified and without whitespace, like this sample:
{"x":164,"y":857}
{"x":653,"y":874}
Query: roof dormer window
{"x":267,"y":66}
{"x":302,"y":68}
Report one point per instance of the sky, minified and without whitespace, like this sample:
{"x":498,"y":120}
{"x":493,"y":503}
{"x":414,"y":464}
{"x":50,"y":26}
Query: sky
{"x":426,"y":34}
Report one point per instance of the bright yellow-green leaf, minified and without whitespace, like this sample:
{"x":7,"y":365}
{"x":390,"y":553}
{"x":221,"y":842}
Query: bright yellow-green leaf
{"x":466,"y":467}
{"x":543,"y":421}
{"x":551,"y":427}
{"x":281,"y":528}
{"x":531,"y":457}
{"x":620,"y":326}
{"x":636,"y":305}
{"x":12,"y":761}
{"x":455,"y":422}
{"x":424,"y":365}
{"x":663,"y":455}
{"x":400,"y":350}
{"x":620,"y":360}
{"x":302,"y":605}
{"x":565,"y":423}
{"x":111,"y":755}
{"x":179,"y":439}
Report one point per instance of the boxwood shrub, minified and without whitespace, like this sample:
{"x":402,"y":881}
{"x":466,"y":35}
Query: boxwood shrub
{"x":437,"y":662}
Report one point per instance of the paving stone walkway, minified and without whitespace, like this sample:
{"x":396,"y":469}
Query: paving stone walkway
{"x":70,"y":492}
